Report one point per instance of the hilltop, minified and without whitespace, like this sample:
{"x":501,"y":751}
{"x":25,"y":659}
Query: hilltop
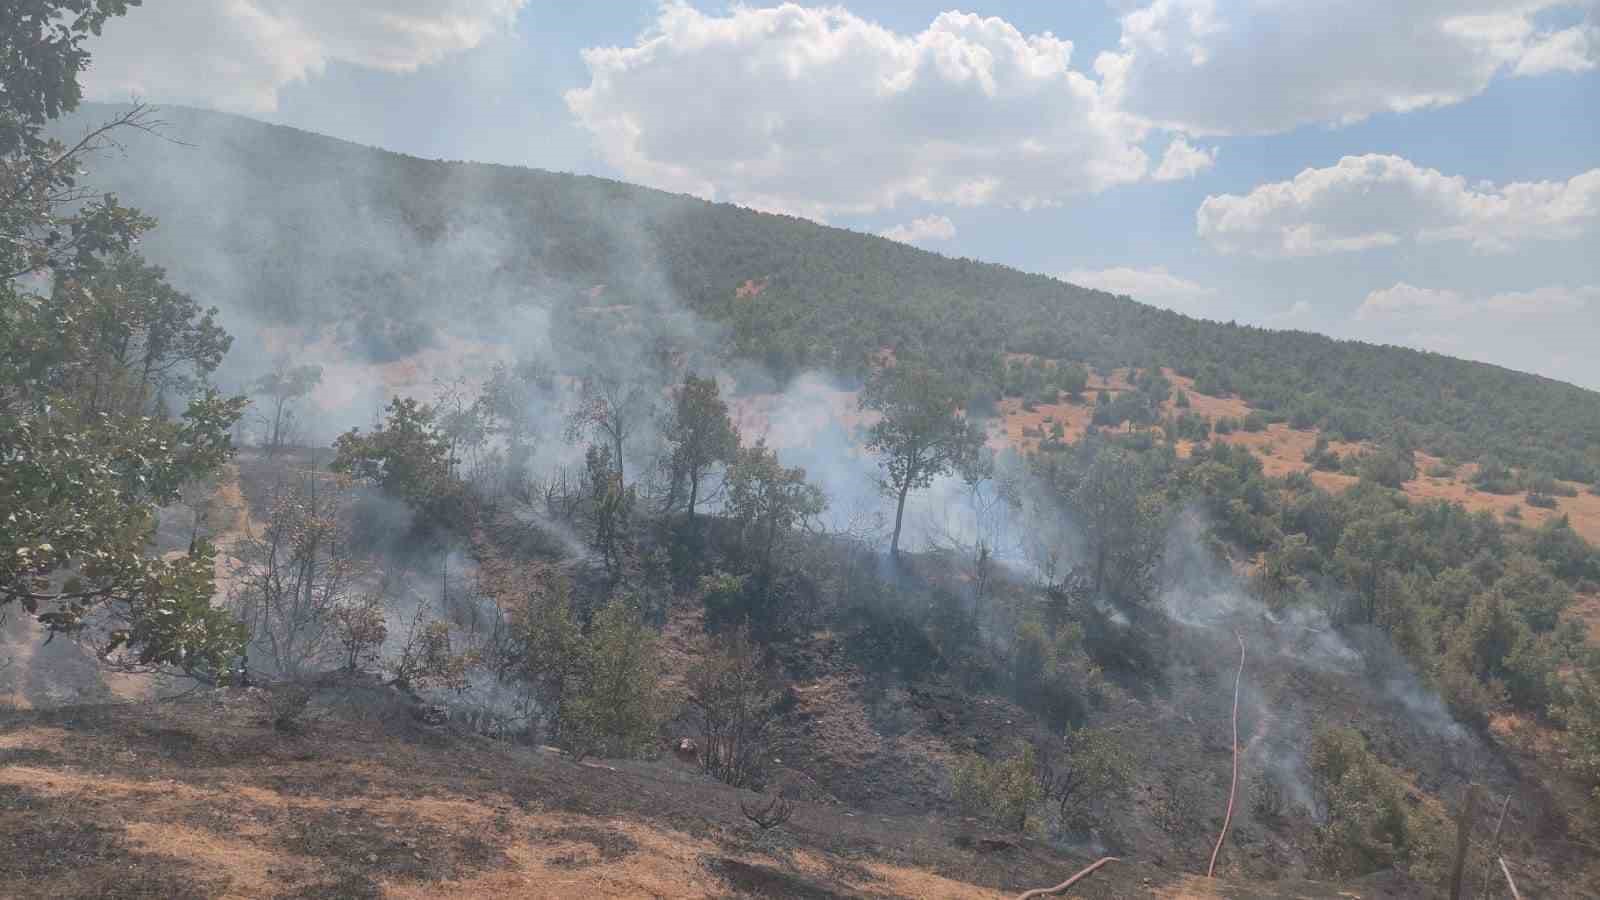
{"x":287,"y":229}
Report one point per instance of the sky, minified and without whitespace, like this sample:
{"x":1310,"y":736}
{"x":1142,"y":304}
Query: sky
{"x":1424,"y":173}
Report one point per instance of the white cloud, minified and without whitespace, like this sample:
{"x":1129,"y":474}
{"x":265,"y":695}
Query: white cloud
{"x":817,"y":111}
{"x":1298,"y":310}
{"x":1544,"y":301}
{"x":237,"y":54}
{"x":1213,"y":67}
{"x":1183,"y":160}
{"x":1377,"y":201}
{"x":1552,"y":330}
{"x":1569,"y":50}
{"x":927,"y":228}
{"x":1155,"y":286}
{"x":1404,"y":300}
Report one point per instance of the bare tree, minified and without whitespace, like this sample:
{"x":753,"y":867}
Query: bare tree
{"x":612,"y":405}
{"x":730,"y":691}
{"x":283,"y":387}
{"x":295,"y":574}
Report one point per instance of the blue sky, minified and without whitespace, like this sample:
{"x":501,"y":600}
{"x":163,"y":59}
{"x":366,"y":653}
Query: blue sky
{"x":1424,"y":173}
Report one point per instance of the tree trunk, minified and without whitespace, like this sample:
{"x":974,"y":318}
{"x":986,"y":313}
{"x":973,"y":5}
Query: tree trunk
{"x":622,"y":481}
{"x":694,"y":494}
{"x":899,"y":514}
{"x":772,"y":539}
{"x":1100,"y":570}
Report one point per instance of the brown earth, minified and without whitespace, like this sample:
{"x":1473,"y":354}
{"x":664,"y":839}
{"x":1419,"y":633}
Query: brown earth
{"x":1282,"y":451}
{"x":198,"y":798}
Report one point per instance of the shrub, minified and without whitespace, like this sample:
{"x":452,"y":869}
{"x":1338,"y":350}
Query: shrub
{"x":1088,"y":765}
{"x":610,"y":703}
{"x":1388,"y":467}
{"x":1493,"y":477}
{"x":360,"y":628}
{"x":284,"y":703}
{"x":768,"y":813}
{"x":730,"y":692}
{"x":427,"y":660}
{"x":1581,"y":715}
{"x":1369,"y":826}
{"x":1002,"y":792}
{"x":1254,"y":422}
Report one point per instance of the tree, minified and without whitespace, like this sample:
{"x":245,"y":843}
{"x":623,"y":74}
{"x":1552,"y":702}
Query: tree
{"x":509,"y":401}
{"x":1104,"y":491}
{"x":295,"y":577}
{"x":611,"y":406}
{"x":1003,"y":792}
{"x":701,"y":434}
{"x":730,"y":691}
{"x":543,"y":641}
{"x":1073,"y":379}
{"x":922,"y":433}
{"x":360,"y":627}
{"x":405,"y":455}
{"x":1088,"y":764}
{"x":610,"y":506}
{"x":82,"y":477}
{"x":609,"y":704}
{"x":768,"y":499}
{"x":283,"y":386}
{"x":125,"y":338}
{"x":1581,"y":715}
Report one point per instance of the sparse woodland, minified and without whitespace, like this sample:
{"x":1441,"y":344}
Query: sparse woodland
{"x":522,"y":552}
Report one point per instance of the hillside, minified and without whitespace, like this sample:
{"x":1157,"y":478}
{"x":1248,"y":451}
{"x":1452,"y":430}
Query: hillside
{"x":198,"y":799}
{"x":400,"y":255}
{"x":557,"y":515}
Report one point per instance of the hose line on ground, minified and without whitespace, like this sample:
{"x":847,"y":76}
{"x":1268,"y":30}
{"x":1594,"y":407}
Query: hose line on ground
{"x":1042,"y":892}
{"x":1234,"y":787}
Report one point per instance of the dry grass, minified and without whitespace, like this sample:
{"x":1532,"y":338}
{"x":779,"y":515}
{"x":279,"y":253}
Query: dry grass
{"x":197,"y":799}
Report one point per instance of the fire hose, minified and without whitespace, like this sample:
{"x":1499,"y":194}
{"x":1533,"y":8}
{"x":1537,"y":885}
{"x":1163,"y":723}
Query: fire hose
{"x":1042,"y":892}
{"x":1234,"y":787}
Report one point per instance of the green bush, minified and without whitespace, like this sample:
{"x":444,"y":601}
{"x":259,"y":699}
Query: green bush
{"x":1369,"y":825}
{"x":1002,"y":792}
{"x":609,"y":704}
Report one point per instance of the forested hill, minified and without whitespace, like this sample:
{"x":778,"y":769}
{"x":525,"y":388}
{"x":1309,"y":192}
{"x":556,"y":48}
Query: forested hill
{"x":286,"y":226}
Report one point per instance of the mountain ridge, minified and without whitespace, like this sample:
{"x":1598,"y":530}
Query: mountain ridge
{"x":376,"y":237}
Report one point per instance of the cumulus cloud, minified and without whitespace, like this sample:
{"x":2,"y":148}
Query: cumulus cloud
{"x":1405,"y":300}
{"x":1297,"y":311}
{"x":818,"y":112}
{"x":1214,"y":67}
{"x":927,"y":228}
{"x":1155,"y":286}
{"x":1569,"y":50}
{"x":237,"y":54}
{"x":1551,"y":330}
{"x":1378,"y":201}
{"x":1183,"y":160}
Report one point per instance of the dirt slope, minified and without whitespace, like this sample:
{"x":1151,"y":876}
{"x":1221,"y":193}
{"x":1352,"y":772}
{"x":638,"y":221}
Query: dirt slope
{"x":196,"y":798}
